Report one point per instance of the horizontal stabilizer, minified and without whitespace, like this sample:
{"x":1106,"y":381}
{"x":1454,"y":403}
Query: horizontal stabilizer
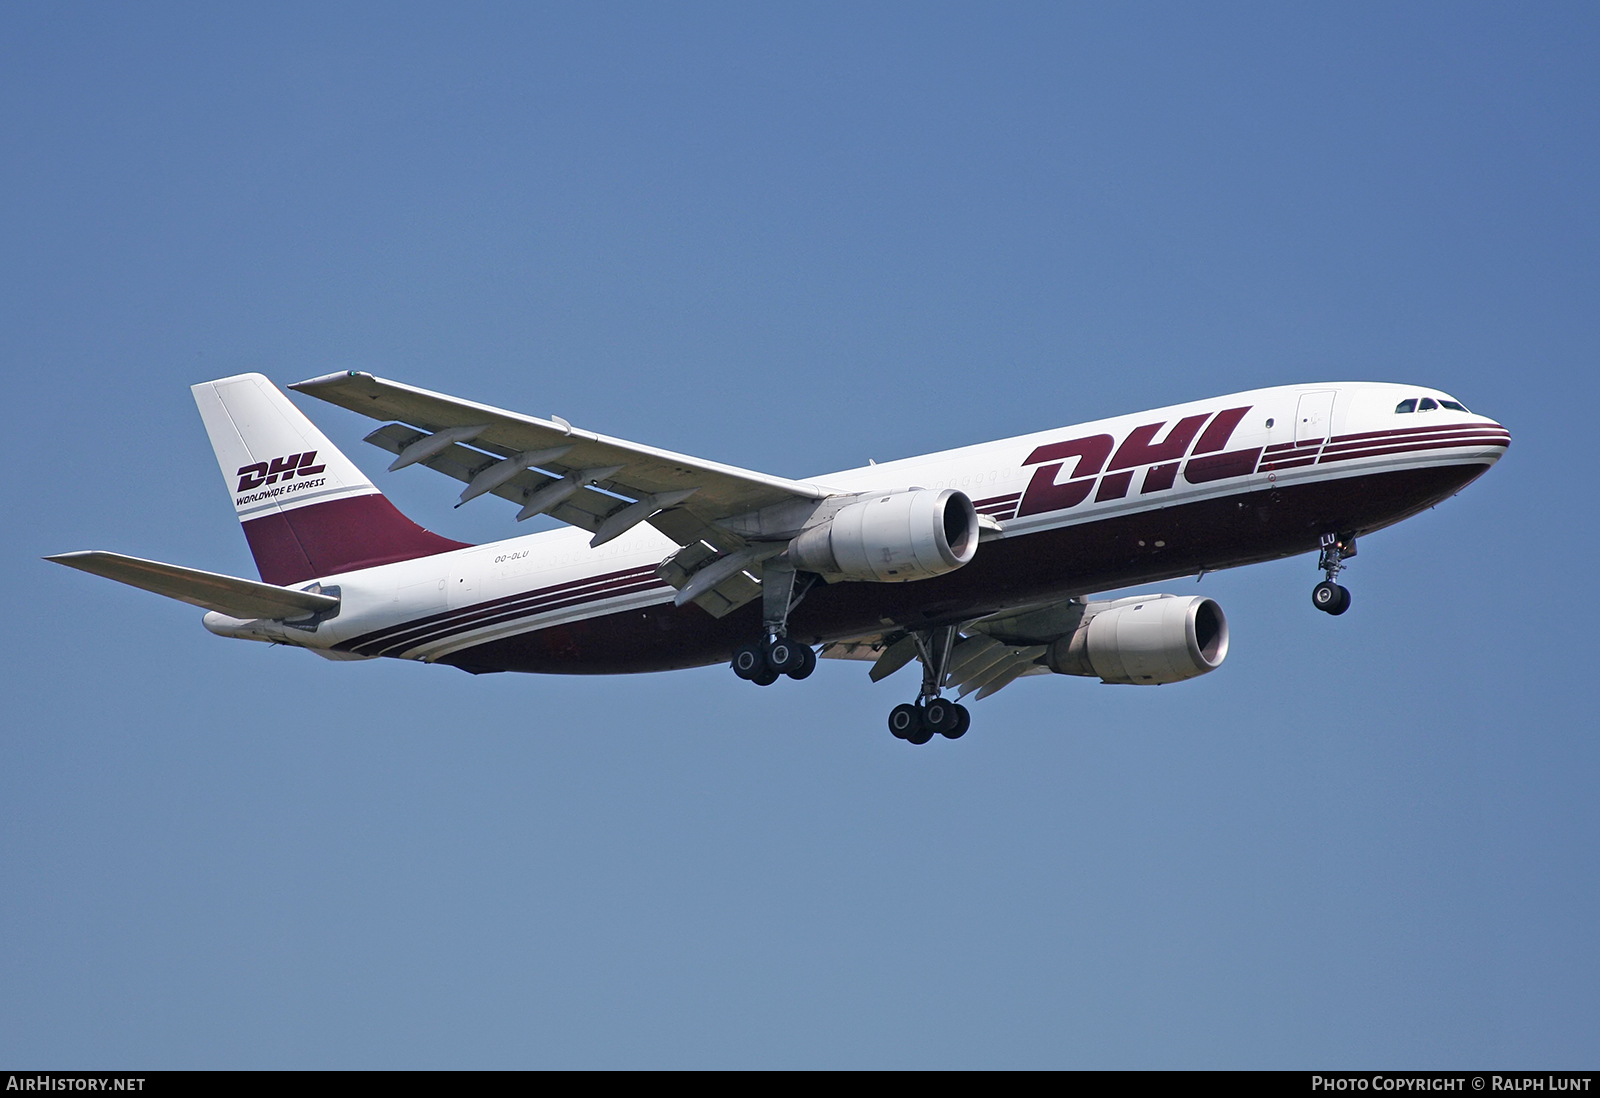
{"x":238,"y":598}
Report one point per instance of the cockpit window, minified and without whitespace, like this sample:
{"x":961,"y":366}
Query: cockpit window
{"x":1428,"y":404}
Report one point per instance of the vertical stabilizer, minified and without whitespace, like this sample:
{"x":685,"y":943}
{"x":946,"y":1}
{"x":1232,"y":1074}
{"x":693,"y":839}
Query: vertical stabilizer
{"x":307,"y":511}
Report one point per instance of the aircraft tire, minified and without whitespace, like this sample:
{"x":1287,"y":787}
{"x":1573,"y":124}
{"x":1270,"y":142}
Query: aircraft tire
{"x":766,"y":678}
{"x":963,"y":722}
{"x":939,"y":715}
{"x":785,"y":657}
{"x":905,"y":721}
{"x":1330,"y":598}
{"x":1344,"y":601}
{"x":808,"y":664}
{"x":749,"y":661}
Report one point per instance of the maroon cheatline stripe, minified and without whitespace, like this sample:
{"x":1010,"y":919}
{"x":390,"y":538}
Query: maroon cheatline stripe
{"x":997,"y":507}
{"x":413,"y":637}
{"x":449,"y":630}
{"x":1401,"y":447}
{"x":1430,"y":428}
{"x":1490,"y":437}
{"x":1412,"y":448}
{"x":1431,"y":436}
{"x":555,"y":590}
{"x":480,"y":612}
{"x":570,"y":585}
{"x":418,"y":631}
{"x":980,"y":504}
{"x":1442,"y":430}
{"x":1291,"y":463}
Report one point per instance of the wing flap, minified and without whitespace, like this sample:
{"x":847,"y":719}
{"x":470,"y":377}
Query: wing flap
{"x":238,"y":598}
{"x":729,"y":595}
{"x":723,"y":597}
{"x":978,"y":663}
{"x":867,"y":649}
{"x":586,"y":508}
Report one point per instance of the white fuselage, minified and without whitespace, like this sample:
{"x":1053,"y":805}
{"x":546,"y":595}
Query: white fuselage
{"x":1302,"y":433}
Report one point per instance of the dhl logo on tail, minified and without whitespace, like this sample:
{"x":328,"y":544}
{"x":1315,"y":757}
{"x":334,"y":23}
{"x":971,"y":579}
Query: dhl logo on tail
{"x":254,"y":476}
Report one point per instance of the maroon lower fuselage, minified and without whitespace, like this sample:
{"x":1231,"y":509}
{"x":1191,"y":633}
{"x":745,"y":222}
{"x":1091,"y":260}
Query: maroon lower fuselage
{"x":1247,"y":528}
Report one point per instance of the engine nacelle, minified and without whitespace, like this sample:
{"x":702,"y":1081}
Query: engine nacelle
{"x":913,"y":535}
{"x":1145,"y":641}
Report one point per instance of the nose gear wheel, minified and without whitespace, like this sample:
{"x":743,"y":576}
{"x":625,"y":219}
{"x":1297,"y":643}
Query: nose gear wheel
{"x":1328,"y":596}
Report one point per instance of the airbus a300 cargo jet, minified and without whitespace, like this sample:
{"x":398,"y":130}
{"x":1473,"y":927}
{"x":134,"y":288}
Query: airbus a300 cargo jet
{"x":976,"y":562}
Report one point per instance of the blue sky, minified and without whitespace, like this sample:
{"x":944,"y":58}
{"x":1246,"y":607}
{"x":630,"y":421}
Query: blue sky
{"x":793,"y":238}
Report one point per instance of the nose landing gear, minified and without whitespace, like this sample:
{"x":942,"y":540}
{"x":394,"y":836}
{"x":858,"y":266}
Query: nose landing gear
{"x":1328,"y":596}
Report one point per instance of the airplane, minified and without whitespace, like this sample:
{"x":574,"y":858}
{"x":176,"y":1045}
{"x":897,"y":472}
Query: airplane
{"x":976,"y":563}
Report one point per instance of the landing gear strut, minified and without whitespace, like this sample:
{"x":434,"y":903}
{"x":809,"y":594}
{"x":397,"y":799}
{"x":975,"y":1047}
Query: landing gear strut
{"x":775,"y":655}
{"x":1328,"y":596}
{"x":931,"y":713}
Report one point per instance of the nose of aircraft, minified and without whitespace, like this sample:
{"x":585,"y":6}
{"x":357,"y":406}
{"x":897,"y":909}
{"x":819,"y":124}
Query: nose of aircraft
{"x":1493,"y":434}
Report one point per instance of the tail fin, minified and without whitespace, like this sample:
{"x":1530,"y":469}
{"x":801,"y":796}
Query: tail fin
{"x":307,"y":511}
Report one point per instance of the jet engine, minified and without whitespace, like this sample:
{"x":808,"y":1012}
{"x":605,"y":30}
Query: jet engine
{"x":1144,"y":641}
{"x":904,"y":536}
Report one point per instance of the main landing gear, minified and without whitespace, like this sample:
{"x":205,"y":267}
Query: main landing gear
{"x":917,"y":723}
{"x":931,"y":714}
{"x":763,"y":663}
{"x":1328,"y":596}
{"x":774,"y":655}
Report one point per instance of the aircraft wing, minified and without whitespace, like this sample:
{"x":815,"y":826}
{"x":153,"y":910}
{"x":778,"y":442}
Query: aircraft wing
{"x":603,"y":485}
{"x":238,"y":598}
